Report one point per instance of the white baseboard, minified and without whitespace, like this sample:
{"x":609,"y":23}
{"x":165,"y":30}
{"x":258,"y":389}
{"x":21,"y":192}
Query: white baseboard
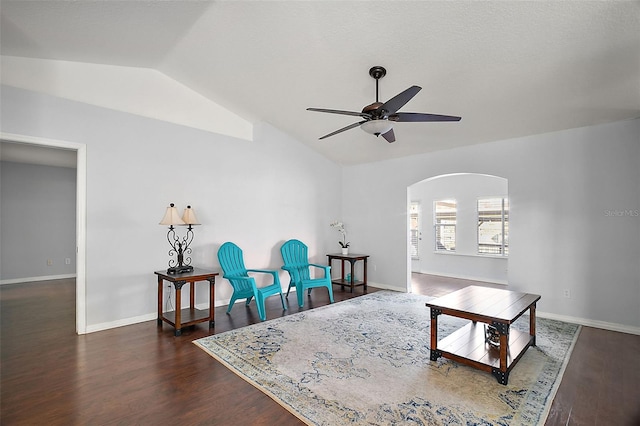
{"x":121,"y":323}
{"x":34,"y":279}
{"x":385,"y":286}
{"x":591,"y":323}
{"x":464,"y":277}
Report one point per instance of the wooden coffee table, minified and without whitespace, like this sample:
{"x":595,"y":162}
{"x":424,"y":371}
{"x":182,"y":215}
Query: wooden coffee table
{"x":468,"y":345}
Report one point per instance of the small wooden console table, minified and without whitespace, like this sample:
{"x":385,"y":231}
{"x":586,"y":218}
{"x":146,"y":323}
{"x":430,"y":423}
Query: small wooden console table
{"x":468,"y":345}
{"x":189,"y":316}
{"x":352,"y":259}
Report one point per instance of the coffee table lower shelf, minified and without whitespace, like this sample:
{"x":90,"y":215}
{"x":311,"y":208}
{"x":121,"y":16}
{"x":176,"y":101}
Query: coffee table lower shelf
{"x":469,"y":346}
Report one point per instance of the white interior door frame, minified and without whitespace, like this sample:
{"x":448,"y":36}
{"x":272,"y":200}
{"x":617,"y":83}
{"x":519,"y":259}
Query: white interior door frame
{"x":81,"y":215}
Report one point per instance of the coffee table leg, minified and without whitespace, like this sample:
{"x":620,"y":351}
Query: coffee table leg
{"x":532,"y":324}
{"x":501,"y":373}
{"x":502,"y":377}
{"x":434,"y":353}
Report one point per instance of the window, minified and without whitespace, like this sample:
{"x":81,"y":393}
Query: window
{"x":444,"y":214}
{"x":493,"y":226}
{"x":414,"y":217}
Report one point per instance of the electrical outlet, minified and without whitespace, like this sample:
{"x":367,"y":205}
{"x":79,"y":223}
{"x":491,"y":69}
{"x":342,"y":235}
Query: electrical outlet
{"x":567,"y":293}
{"x":49,"y":262}
{"x":67,"y":261}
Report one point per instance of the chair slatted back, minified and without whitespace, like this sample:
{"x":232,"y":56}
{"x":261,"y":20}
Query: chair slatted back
{"x":296,"y":260}
{"x":231,"y":261}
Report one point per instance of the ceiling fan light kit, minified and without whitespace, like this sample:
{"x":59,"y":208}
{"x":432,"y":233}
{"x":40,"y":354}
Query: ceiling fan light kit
{"x":376,"y":127}
{"x":378,"y":117}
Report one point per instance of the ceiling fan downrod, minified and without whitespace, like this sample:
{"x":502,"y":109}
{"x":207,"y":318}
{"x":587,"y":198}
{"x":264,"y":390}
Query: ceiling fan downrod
{"x":377,"y":73}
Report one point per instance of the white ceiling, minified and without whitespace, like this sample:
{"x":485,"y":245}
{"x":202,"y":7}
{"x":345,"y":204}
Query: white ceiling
{"x":509,"y":69}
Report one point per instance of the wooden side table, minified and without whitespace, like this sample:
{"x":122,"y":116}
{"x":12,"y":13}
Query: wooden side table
{"x":352,"y":259}
{"x":189,"y":316}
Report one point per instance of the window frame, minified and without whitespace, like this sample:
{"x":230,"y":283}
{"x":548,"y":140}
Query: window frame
{"x":440,"y":228}
{"x":503,"y":247}
{"x":415,"y":233}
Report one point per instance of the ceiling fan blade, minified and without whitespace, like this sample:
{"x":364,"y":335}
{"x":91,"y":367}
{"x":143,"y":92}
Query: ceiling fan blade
{"x":417,"y":116}
{"x":389,"y":136}
{"x":337,"y":111}
{"x":398,"y":101}
{"x":350,"y":126}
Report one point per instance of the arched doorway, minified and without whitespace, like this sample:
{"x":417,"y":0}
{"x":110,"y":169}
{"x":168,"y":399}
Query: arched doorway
{"x":458,"y":227}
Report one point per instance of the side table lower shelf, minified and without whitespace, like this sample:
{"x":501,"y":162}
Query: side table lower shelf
{"x":187,"y":317}
{"x":345,"y":282}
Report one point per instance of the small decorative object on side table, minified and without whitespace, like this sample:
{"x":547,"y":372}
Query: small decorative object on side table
{"x":344,"y":244}
{"x":189,"y":316}
{"x":350,"y":281}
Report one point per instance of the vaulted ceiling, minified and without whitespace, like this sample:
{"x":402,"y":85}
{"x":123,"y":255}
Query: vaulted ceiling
{"x":510,"y":69}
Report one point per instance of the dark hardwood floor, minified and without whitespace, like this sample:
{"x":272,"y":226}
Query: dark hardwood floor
{"x":141,"y":374}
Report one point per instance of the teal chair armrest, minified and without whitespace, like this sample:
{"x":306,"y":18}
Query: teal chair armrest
{"x":276,"y":277}
{"x":327,"y":269}
{"x":266,"y":271}
{"x":237,"y":277}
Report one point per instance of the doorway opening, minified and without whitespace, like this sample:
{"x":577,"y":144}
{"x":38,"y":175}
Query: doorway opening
{"x":81,"y":204}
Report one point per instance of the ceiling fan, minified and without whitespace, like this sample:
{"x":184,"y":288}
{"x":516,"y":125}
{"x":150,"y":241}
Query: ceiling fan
{"x":378,"y":117}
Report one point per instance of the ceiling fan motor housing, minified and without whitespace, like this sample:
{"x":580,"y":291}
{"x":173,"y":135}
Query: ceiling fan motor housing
{"x":374,"y":111}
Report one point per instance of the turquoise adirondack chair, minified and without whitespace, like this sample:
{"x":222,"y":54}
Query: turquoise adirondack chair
{"x":296,"y":263}
{"x":244,"y":286}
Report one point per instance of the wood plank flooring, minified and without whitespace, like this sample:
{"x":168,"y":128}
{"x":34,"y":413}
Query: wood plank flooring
{"x":141,"y":374}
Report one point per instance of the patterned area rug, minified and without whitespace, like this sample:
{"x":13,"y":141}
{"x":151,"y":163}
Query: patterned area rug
{"x":365,"y":361}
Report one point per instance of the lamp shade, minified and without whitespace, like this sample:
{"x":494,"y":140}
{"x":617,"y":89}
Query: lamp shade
{"x":172,"y":217}
{"x":189,"y":217}
{"x":376,"y":127}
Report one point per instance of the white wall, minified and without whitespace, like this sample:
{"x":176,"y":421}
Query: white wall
{"x":263,"y":192}
{"x":572,"y":180}
{"x":465,"y":262}
{"x":256,"y":193}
